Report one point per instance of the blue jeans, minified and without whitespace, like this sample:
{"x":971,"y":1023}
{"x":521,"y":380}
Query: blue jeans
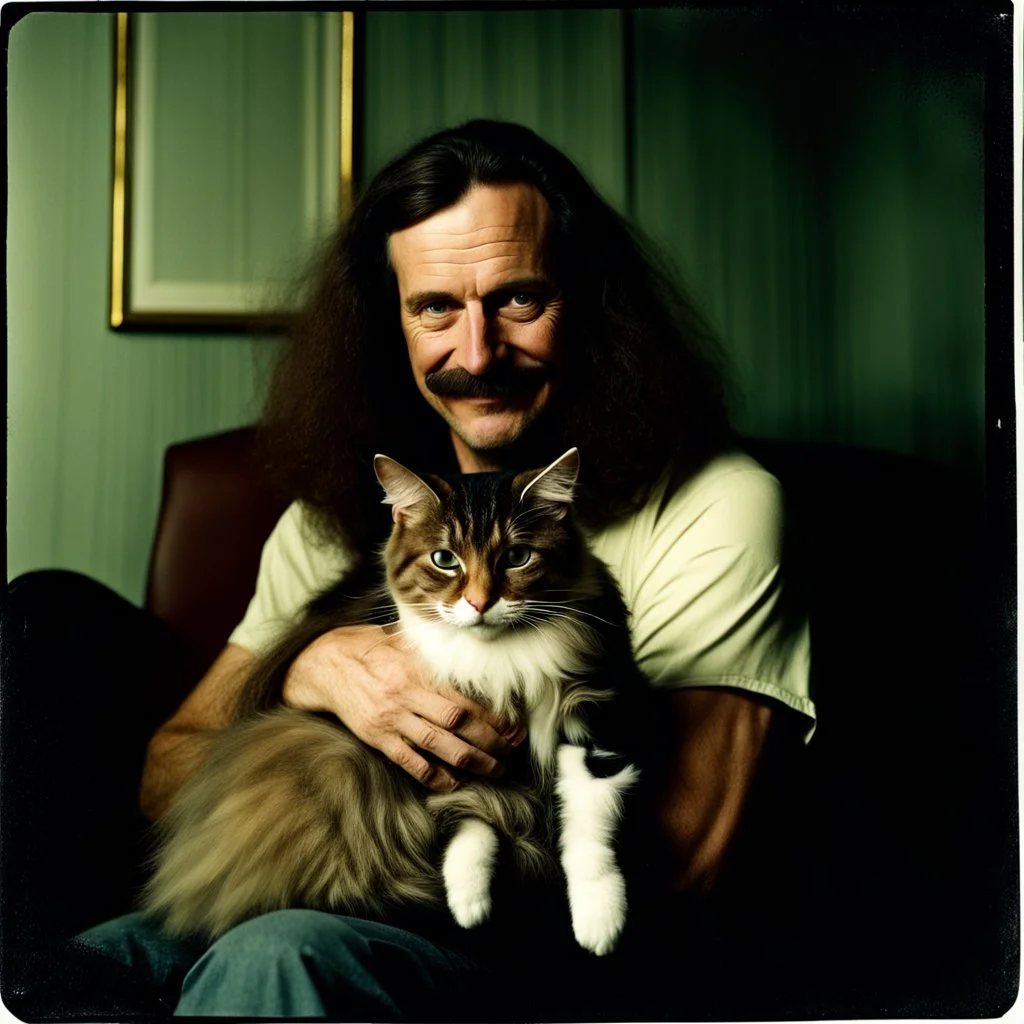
{"x":300,"y":963}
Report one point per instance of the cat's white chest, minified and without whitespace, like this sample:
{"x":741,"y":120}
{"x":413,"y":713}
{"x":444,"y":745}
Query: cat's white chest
{"x":509,"y":671}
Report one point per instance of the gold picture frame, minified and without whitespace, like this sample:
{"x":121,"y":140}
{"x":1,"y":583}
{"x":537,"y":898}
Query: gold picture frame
{"x":138,"y":298}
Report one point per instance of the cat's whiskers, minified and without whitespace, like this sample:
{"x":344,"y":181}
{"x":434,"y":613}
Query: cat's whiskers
{"x":538,"y":621}
{"x":381,"y":618}
{"x":577,"y":594}
{"x":550,"y":614}
{"x":389,"y":616}
{"x":397,"y":628}
{"x":387,"y":639}
{"x":564,"y":607}
{"x":431,"y":606}
{"x":427,"y":611}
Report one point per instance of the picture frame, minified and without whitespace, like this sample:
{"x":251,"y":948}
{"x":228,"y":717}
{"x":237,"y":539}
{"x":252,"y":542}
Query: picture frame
{"x":234,"y":145}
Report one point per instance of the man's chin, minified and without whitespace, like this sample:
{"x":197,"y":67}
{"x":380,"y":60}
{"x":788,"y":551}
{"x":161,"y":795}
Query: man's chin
{"x":493,"y":433}
{"x":490,"y":441}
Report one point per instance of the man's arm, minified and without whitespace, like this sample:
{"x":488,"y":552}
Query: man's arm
{"x":718,"y":741}
{"x":177,"y":746}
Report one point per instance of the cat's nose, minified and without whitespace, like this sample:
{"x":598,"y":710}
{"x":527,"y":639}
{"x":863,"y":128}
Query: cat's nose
{"x":479,"y":604}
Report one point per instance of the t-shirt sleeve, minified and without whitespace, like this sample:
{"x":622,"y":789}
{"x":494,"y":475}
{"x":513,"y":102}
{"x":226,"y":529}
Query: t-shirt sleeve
{"x":711,"y":605}
{"x":294,"y":566}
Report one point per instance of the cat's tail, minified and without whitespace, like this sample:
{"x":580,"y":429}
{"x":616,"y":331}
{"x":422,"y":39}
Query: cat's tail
{"x":291,"y":810}
{"x":516,"y":812}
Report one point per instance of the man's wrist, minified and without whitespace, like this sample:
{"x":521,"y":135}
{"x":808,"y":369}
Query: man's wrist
{"x":299,"y":688}
{"x":295,"y":690}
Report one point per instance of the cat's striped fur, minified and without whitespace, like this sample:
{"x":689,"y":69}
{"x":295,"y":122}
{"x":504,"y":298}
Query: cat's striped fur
{"x":494,"y":586}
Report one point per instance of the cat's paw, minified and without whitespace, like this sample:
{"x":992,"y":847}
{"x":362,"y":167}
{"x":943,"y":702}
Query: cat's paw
{"x":467,"y":869}
{"x":598,"y":908}
{"x":469,"y":908}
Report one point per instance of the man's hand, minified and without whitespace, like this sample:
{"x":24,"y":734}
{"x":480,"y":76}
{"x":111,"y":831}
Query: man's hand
{"x":368,"y":678}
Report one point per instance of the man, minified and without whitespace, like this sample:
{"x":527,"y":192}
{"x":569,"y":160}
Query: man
{"x":484,"y":309}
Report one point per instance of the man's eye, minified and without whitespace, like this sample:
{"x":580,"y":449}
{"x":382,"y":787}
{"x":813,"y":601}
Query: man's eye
{"x":517,"y":556}
{"x":436,"y":308}
{"x":523,"y":299}
{"x":444,"y":560}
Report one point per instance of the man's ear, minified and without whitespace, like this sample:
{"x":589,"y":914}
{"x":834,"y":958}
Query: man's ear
{"x":402,"y":488}
{"x":554,"y":486}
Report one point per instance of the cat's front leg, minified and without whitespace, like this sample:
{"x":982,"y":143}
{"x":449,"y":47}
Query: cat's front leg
{"x":467,"y":870}
{"x":590,"y":808}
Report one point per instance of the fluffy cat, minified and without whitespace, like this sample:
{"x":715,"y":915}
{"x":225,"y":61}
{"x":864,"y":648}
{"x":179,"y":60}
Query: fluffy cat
{"x":492,"y":584}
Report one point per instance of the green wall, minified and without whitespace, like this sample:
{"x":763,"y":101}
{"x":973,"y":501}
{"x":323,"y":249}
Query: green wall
{"x":822,"y":198}
{"x":90,"y":411}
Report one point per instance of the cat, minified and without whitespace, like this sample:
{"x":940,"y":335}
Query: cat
{"x":491,"y":582}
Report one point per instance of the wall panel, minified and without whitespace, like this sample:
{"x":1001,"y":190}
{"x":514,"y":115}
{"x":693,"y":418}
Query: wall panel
{"x":90,"y":411}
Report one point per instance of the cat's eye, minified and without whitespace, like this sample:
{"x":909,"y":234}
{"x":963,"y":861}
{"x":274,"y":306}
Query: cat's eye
{"x":444,"y":560}
{"x":517,"y":556}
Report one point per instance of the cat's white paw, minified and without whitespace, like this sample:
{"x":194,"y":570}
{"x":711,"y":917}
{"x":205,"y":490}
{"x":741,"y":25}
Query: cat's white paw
{"x":467,"y":869}
{"x":598,"y":908}
{"x":469,"y":909}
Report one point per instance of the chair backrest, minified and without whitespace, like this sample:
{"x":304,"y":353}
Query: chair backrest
{"x":217,"y":510}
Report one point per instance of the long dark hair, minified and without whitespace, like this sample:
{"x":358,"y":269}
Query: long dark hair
{"x":644,"y":386}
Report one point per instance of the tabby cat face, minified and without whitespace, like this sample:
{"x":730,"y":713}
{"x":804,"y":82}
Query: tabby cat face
{"x":484,"y":552}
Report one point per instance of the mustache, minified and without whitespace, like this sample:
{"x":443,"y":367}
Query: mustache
{"x":500,"y":382}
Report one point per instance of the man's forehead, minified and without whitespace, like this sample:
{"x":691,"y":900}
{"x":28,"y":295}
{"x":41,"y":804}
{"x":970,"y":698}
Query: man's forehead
{"x":472,"y":247}
{"x":502,"y":224}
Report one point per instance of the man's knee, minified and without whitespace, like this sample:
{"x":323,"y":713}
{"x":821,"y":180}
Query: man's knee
{"x":286,"y":933}
{"x":55,"y":590}
{"x":288,"y":963}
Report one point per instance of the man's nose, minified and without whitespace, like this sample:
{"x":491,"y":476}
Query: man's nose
{"x":480,"y":347}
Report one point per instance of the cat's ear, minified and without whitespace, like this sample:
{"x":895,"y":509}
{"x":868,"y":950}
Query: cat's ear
{"x":403,"y":489}
{"x":553,"y":486}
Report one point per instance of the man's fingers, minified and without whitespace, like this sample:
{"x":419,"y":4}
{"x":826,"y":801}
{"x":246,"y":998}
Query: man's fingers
{"x":467,"y":720}
{"x":498,"y":739}
{"x":432,"y":776}
{"x":449,"y":748}
{"x":515,"y":734}
{"x":451,"y":716}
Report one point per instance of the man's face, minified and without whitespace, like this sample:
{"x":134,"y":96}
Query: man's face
{"x":480,"y":314}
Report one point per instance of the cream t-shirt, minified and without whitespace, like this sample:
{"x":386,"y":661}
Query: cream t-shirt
{"x":699,"y":570}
